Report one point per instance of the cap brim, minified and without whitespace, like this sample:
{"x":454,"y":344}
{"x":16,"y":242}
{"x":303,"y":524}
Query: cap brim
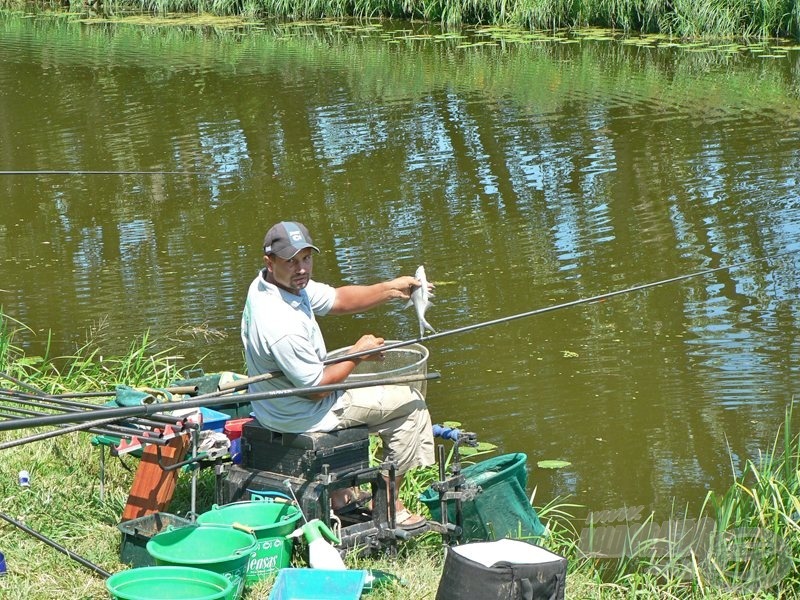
{"x":291,"y":251}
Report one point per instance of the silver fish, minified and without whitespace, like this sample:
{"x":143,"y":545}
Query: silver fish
{"x":420,"y":298}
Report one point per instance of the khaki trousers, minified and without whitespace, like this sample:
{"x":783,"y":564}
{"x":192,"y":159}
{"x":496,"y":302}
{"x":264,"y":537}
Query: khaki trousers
{"x":399,"y":415}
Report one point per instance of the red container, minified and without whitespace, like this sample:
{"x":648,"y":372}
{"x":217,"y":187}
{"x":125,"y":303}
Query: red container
{"x":233,"y":428}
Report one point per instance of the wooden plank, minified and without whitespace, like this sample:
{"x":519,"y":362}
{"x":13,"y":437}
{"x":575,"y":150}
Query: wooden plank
{"x":153,"y":487}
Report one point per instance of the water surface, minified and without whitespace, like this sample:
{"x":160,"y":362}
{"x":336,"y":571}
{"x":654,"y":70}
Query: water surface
{"x":522,"y":174}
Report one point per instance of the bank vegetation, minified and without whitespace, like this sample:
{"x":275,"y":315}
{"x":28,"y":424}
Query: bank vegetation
{"x":683,"y":19}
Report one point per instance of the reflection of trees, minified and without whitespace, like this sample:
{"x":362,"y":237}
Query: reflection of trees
{"x":526,"y":175}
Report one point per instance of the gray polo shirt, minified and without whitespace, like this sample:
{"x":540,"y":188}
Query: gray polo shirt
{"x":280,"y":333}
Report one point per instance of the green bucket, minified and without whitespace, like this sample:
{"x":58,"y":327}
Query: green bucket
{"x":219,"y":548}
{"x":271,"y":521}
{"x":169,"y":583}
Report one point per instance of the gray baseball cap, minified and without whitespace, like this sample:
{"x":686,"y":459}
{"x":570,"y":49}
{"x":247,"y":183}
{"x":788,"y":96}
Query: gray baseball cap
{"x":287,"y":238}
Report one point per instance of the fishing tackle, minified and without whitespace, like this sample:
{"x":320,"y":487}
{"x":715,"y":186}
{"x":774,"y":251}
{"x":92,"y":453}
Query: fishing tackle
{"x":105,"y":416}
{"x":53,"y":544}
{"x":547,"y":309}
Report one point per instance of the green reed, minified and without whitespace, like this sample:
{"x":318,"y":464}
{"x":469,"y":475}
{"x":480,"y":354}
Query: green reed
{"x":687,"y":19}
{"x":86,"y":369}
{"x":7,"y":349}
{"x":745,"y":543}
{"x":760,"y":512}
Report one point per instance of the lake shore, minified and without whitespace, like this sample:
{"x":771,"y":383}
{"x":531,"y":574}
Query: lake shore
{"x":744,"y":542}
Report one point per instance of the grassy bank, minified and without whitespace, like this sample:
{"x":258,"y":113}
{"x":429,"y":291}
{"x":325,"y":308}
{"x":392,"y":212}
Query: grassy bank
{"x":746,"y":542}
{"x":678,"y":18}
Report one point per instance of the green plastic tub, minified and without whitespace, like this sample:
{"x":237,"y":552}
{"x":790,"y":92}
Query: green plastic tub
{"x":271,"y":521}
{"x":222,"y":549}
{"x":169,"y":583}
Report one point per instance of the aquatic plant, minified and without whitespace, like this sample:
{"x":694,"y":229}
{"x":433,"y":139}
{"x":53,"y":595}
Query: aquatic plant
{"x":8,"y":351}
{"x":85,"y":369}
{"x":745,"y":542}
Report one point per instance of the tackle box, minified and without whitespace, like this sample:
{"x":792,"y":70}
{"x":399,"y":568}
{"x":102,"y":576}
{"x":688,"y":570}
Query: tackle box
{"x":304,"y":454}
{"x":241,"y":484}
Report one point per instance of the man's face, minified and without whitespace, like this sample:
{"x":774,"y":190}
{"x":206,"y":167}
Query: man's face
{"x":293,"y":274}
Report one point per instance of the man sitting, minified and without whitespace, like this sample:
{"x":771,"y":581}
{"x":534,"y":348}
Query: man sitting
{"x":280,"y":333}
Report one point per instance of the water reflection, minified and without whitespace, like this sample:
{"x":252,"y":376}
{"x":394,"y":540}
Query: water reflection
{"x":522,"y":176}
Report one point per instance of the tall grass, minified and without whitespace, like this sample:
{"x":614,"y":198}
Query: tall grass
{"x":86,"y":369}
{"x":680,"y":18}
{"x":744,"y":544}
{"x":7,"y":350}
{"x":758,"y":520}
{"x":688,"y":19}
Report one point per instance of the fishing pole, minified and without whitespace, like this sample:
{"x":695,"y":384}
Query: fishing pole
{"x":113,"y":429}
{"x":138,"y":437}
{"x":65,"y":429}
{"x":87,"y":172}
{"x":49,"y":403}
{"x":37,"y":398}
{"x":22,"y":384}
{"x":547,"y":309}
{"x":102,"y":415}
{"x":53,"y":544}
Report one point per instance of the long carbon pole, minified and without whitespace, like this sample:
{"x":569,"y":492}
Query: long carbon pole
{"x":547,"y":309}
{"x":104,"y":416}
{"x":53,"y":544}
{"x":45,"y":435}
{"x":66,"y":405}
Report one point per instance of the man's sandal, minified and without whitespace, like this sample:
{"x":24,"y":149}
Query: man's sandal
{"x":407,"y":520}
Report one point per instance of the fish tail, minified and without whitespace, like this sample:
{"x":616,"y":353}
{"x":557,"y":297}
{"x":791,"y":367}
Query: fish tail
{"x":423,"y":325}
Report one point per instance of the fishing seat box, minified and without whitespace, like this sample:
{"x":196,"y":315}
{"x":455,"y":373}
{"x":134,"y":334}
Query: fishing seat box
{"x":303,"y":455}
{"x":243,"y":484}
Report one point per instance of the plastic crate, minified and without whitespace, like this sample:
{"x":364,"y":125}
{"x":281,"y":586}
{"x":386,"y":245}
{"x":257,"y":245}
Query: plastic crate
{"x":318,"y":584}
{"x":137,"y":532}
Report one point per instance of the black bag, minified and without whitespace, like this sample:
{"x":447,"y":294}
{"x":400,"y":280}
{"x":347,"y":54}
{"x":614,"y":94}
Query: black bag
{"x":502,"y":570}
